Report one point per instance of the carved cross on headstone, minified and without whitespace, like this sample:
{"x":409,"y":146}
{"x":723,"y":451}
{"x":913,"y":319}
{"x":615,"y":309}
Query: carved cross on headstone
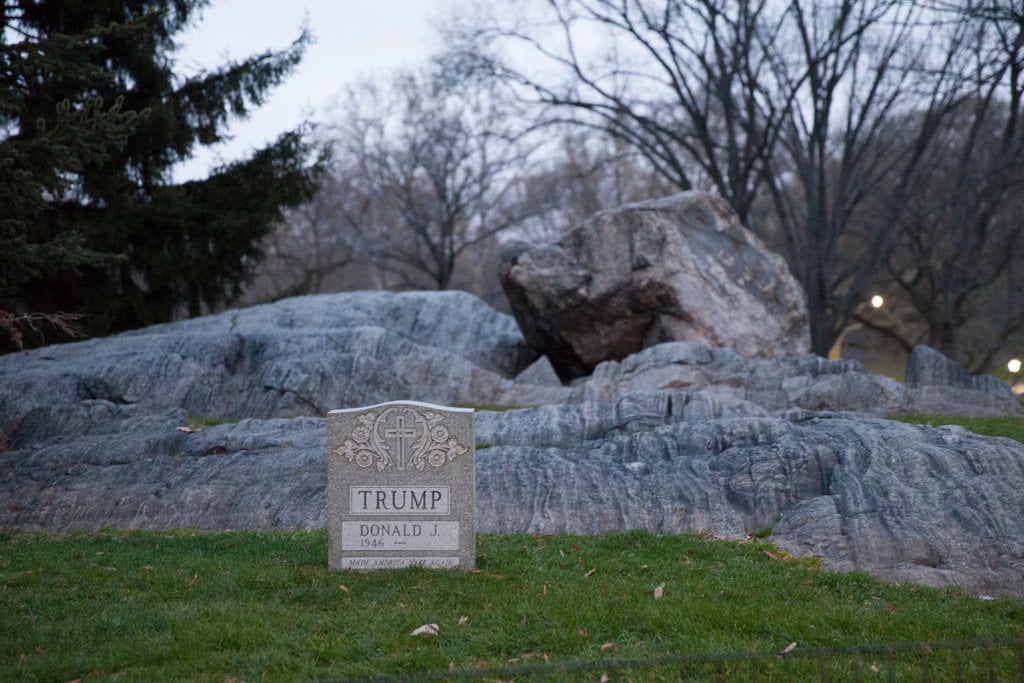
{"x":400,"y":433}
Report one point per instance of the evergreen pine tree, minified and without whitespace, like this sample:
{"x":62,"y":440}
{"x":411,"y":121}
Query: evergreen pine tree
{"x":107,"y":232}
{"x":40,"y":161}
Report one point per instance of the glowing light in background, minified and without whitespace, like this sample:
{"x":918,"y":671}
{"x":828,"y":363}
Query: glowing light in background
{"x":877,"y":301}
{"x":1014,"y":365}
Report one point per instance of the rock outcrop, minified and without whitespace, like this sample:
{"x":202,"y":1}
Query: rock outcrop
{"x":937,"y":384}
{"x":806,"y":382}
{"x":680,"y":268}
{"x":676,"y":437}
{"x":906,"y":503}
{"x":301,"y":356}
{"x":773,"y":385}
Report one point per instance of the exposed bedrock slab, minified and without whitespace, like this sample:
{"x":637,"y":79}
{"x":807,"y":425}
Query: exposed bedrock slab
{"x":676,"y":437}
{"x":906,"y":503}
{"x":772,"y":384}
{"x":936,"y":506}
{"x":300,"y":356}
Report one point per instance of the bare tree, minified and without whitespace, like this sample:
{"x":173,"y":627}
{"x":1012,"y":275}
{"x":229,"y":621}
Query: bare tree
{"x":426,"y":167}
{"x":306,"y":251}
{"x":585,"y":172}
{"x":667,"y":81}
{"x":955,"y":265}
{"x":836,"y":186}
{"x":784,"y":100}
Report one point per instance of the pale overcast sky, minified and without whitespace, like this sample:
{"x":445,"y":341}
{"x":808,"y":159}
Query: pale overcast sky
{"x":354,"y":39}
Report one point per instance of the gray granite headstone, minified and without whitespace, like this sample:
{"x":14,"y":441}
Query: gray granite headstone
{"x":401,"y":487}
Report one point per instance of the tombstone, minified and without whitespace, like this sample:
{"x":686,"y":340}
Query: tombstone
{"x":401,"y":487}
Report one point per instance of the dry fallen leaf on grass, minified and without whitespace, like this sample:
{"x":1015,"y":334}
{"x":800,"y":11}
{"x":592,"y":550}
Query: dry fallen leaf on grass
{"x":590,"y":573}
{"x":609,"y":646}
{"x":776,"y":556}
{"x":463,"y":619}
{"x":343,"y":588}
{"x":789,"y":648}
{"x":659,"y":592}
{"x":426,"y":630}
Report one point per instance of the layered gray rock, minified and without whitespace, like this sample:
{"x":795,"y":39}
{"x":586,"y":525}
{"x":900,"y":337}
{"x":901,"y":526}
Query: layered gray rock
{"x":308,"y":355}
{"x":301,"y":356}
{"x":807,"y":382}
{"x":680,"y":268}
{"x":676,"y":437}
{"x":906,"y":503}
{"x":774,"y":385}
{"x":937,"y":384}
{"x":131,"y":470}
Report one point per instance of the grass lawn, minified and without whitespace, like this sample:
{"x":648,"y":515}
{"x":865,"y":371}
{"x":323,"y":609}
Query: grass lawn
{"x":239,"y":606}
{"x":1010,"y":427}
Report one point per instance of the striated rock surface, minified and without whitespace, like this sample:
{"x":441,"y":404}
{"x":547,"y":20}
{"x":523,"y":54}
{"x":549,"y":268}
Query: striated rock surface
{"x":906,"y":503}
{"x":939,"y":385}
{"x":774,"y":385}
{"x":680,"y":268}
{"x":122,"y":469}
{"x":301,"y":356}
{"x":807,"y":382}
{"x":676,"y":437}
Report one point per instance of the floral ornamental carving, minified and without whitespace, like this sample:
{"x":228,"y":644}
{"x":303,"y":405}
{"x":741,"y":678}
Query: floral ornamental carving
{"x":400,"y":437}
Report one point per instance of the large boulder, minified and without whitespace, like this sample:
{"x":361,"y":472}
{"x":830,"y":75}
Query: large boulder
{"x":680,"y":268}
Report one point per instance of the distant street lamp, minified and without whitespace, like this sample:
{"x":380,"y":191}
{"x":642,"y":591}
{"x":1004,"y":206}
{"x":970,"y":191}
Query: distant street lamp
{"x":877,"y":301}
